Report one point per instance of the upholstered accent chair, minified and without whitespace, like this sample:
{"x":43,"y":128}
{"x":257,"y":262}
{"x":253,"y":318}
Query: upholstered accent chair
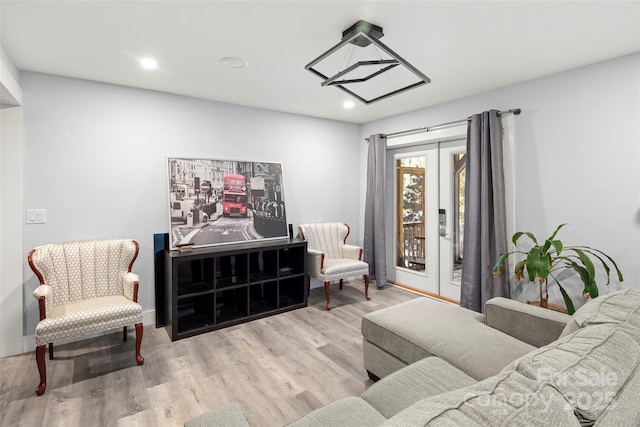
{"x":86,"y":286}
{"x":331,"y":258}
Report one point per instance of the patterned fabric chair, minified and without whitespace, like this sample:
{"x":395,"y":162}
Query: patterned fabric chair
{"x":330,"y":258}
{"x":85,"y":287}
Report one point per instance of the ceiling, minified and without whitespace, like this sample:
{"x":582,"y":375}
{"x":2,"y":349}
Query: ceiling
{"x":463,"y":47}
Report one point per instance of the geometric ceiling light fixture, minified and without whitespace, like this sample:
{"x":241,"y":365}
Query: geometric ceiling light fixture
{"x":366,"y":68}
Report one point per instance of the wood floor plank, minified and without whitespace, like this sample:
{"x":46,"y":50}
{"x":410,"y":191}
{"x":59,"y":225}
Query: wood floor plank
{"x":278,"y":368}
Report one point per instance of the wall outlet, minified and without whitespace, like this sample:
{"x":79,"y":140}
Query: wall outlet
{"x":36,"y":216}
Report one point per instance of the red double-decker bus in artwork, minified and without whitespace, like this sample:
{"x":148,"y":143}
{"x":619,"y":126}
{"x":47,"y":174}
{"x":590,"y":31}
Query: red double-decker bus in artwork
{"x":234,"y":195}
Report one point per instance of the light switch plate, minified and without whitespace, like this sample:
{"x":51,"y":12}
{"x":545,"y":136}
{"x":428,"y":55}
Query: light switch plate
{"x":36,"y":216}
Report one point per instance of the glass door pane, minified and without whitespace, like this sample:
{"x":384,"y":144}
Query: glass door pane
{"x":459,"y":174}
{"x":410,"y":203}
{"x":452,"y":183}
{"x":413,"y":205}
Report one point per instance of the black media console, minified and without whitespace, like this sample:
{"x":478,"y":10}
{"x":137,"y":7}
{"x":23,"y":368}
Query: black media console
{"x":214,"y":287}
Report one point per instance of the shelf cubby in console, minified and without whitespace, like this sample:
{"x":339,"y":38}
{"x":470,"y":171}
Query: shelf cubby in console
{"x":195,"y":277}
{"x":214,"y":287}
{"x":290,"y":293}
{"x":195,"y":312}
{"x":291,"y":262}
{"x":231,"y":304}
{"x":231,"y":270}
{"x":263,"y":297}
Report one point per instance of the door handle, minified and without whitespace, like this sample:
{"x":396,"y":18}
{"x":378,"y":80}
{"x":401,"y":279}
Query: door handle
{"x":442,"y":222}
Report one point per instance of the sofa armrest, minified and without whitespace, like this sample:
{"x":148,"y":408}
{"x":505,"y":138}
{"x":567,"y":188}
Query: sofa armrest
{"x":131,"y":281}
{"x":42,"y":293}
{"x":352,"y":252}
{"x":315,"y":259}
{"x":528,"y":323}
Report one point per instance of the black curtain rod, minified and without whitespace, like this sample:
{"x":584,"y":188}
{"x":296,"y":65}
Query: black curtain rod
{"x":514,"y":111}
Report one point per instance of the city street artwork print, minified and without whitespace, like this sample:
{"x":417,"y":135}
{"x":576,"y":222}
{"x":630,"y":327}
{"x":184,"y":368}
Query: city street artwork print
{"x":215,"y":202}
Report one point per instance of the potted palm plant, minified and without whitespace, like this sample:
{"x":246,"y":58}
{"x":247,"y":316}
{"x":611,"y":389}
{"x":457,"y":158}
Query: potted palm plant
{"x":547,"y":260}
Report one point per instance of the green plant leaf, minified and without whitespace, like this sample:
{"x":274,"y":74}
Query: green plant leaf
{"x":557,"y":244}
{"x":553,"y":236}
{"x":589,"y":282}
{"x":497,"y":269}
{"x":593,"y":289}
{"x":604,"y":265}
{"x":567,"y":301}
{"x":519,"y":270}
{"x":597,"y":253}
{"x":584,"y":275}
{"x":517,"y":235}
{"x":586,"y":261}
{"x":538,"y":263}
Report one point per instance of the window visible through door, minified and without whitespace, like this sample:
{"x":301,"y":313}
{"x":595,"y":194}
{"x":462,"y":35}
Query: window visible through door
{"x":427,"y":206}
{"x":425,"y":198}
{"x":411,"y":227}
{"x":459,"y":175}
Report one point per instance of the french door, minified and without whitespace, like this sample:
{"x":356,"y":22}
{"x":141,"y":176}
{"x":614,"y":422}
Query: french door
{"x":425,"y":216}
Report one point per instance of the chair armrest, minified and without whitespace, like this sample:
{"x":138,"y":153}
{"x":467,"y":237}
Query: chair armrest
{"x":352,"y":252}
{"x":528,"y":323}
{"x":131,"y":283}
{"x":41,"y":293}
{"x":315,"y":261}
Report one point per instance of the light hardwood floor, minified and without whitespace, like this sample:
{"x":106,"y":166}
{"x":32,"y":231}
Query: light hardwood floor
{"x":279,"y":368}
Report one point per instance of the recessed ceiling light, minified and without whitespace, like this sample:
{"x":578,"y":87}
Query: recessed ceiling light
{"x":348,"y":105}
{"x":234,"y":62}
{"x":148,"y":63}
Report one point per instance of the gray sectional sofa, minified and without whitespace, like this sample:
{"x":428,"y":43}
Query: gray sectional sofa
{"x":517,"y":365}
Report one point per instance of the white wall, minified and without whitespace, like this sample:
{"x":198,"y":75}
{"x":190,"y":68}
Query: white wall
{"x":577,"y":151}
{"x":11,"y":246}
{"x":11,"y":219}
{"x":8,"y":64}
{"x":95,"y":159}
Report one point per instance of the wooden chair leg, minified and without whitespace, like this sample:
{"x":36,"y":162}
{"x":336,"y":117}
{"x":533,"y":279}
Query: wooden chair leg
{"x":341,"y":283}
{"x":50,"y":351}
{"x":139,"y":330}
{"x":327,"y":292}
{"x":366,"y":287}
{"x":42,"y":369}
{"x":124,"y":333}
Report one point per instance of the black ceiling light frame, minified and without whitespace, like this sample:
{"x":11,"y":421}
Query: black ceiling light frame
{"x":363,"y":34}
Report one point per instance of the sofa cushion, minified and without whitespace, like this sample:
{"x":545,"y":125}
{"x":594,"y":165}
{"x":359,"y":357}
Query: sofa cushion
{"x":342,"y":267}
{"x":507,"y":399}
{"x":592,"y":368}
{"x":86,"y":317}
{"x":424,"y":327}
{"x":349,"y":411}
{"x":616,"y":307}
{"x":427,"y":377}
{"x":623,"y":410}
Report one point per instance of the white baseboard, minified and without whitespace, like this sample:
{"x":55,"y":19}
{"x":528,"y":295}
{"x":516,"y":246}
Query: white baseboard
{"x":29,"y":341}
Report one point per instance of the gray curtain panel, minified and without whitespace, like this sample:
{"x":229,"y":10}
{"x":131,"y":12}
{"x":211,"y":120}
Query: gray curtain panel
{"x":374,"y":223}
{"x":485,"y":225}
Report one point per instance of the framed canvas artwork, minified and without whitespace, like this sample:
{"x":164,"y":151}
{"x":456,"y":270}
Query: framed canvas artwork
{"x":215,"y":202}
